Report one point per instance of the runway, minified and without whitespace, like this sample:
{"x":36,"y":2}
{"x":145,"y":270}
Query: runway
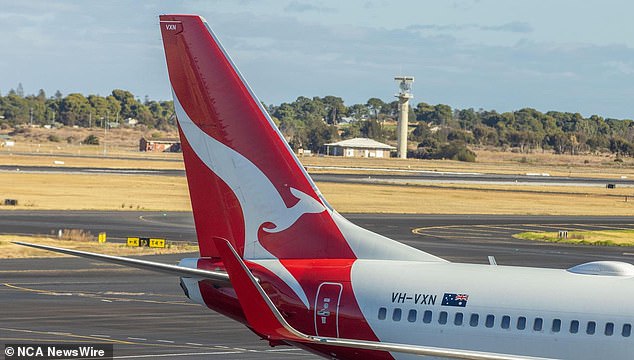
{"x":143,"y":314}
{"x":146,"y":315}
{"x":399,"y":177}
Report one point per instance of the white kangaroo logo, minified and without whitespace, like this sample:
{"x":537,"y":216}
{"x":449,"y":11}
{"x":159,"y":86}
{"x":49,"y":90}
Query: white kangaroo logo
{"x":306,"y":205}
{"x":259,"y":199}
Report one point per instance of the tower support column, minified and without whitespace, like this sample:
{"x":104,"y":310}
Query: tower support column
{"x":403,"y":114}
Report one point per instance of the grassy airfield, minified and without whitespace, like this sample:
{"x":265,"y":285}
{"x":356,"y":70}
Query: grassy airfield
{"x":599,"y":238}
{"x":64,"y":191}
{"x":140,"y":192}
{"x":164,"y":193}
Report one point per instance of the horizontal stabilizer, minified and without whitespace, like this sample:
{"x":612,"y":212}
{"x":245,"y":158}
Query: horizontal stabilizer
{"x":265,"y":319}
{"x":136,"y":263}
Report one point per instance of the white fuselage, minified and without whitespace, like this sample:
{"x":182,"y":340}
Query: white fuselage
{"x":525,"y":311}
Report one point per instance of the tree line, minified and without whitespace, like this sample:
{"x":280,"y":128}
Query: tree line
{"x":442,"y":132}
{"x":309,"y":123}
{"x":84,"y":111}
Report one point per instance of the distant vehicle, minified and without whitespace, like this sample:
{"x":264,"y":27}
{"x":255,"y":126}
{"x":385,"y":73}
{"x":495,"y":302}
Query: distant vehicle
{"x":277,"y":257}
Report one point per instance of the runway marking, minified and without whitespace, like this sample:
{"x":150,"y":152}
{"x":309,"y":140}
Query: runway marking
{"x":62,"y":272}
{"x":195,"y":344}
{"x":553,"y":227}
{"x":607,"y":227}
{"x":176,"y":354}
{"x":282,"y":350}
{"x":97,"y":335}
{"x":135,"y":338}
{"x":166,"y":341}
{"x":480,"y":229}
{"x":438,"y":227}
{"x":91,"y":295}
{"x":503,"y":227}
{"x":40,"y":340}
{"x":69,"y":335}
{"x":123,"y":293}
{"x":573,"y":227}
{"x":443,"y":236}
{"x":100,"y":338}
{"x":47,"y":292}
{"x":236,"y":351}
{"x":462,"y":228}
{"x":465,"y":232}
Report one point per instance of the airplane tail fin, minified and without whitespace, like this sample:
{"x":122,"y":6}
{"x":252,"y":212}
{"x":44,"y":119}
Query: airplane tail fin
{"x":245,"y":183}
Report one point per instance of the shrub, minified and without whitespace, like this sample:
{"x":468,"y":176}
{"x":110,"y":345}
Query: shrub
{"x":465,"y":155}
{"x":455,"y":151}
{"x":77,"y":235}
{"x":91,"y":140}
{"x":53,"y":138}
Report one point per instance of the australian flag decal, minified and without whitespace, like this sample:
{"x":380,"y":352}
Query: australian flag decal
{"x":459,"y":300}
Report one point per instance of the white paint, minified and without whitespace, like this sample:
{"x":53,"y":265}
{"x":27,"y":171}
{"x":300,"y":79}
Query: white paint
{"x":259,"y":200}
{"x":499,"y":290}
{"x":369,"y":245}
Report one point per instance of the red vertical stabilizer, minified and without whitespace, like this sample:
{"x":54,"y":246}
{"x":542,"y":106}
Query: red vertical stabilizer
{"x":245,"y":183}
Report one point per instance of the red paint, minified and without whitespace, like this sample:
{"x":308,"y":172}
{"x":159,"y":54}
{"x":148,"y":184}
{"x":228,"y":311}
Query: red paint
{"x":219,"y":103}
{"x":313,"y":249}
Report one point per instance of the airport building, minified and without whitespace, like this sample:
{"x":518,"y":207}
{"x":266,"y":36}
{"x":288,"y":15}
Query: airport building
{"x":160,"y":145}
{"x":359,"y":147}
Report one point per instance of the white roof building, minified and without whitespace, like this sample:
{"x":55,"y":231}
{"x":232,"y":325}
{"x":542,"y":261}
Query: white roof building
{"x":359,"y":147}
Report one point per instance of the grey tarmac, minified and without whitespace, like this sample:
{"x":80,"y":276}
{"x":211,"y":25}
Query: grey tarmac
{"x":145,"y":315}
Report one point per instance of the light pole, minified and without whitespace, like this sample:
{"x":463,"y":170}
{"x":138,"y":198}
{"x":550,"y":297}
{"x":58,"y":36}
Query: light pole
{"x":105,"y":132}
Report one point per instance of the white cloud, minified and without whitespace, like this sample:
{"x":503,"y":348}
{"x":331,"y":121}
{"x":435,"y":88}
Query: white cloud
{"x":621,"y":67}
{"x":306,"y":6}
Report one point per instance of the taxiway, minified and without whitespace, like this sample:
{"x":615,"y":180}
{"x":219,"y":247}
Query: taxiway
{"x":145,"y":315}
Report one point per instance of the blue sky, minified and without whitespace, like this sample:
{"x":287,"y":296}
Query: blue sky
{"x":573,"y":56}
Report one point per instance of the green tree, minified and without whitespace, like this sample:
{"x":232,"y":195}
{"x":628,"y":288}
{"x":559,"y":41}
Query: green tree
{"x":335,"y":109}
{"x":99,"y":108}
{"x":421,"y":132}
{"x":74,"y":110}
{"x":375,"y":105}
{"x":359,"y":111}
{"x":371,"y":129}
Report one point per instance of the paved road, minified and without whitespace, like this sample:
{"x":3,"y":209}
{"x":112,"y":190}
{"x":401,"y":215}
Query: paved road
{"x":396,"y":177}
{"x":145,"y":314}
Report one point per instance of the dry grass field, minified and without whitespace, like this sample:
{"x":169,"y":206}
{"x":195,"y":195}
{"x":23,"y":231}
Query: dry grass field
{"x":124,"y":143}
{"x":169,"y":161}
{"x":131,"y":192}
{"x":162,"y":193}
{"x":451,"y":199}
{"x":497,"y":162}
{"x":94,"y":192}
{"x":117,"y":143}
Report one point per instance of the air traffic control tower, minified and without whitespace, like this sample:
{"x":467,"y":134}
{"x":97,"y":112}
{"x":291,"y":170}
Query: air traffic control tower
{"x":405,"y":85}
